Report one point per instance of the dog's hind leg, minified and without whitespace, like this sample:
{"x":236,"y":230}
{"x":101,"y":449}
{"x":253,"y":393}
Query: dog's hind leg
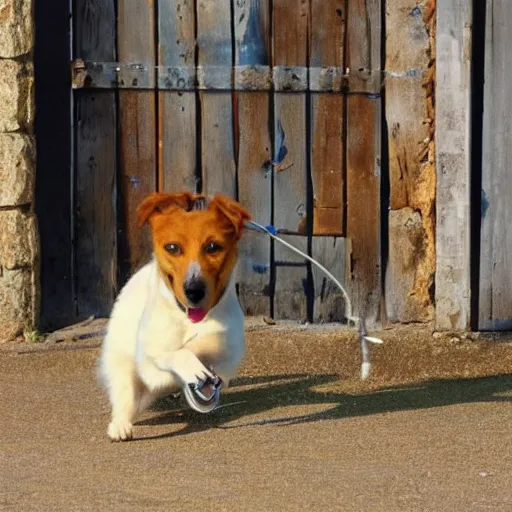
{"x":124,"y":390}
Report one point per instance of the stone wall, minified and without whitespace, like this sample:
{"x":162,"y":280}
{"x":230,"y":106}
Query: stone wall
{"x":19,"y":248}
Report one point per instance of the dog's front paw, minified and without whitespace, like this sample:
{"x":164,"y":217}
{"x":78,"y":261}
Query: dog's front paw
{"x":189,"y":368}
{"x":120,"y":430}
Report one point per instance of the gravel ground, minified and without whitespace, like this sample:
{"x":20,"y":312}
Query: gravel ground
{"x":429,"y":431}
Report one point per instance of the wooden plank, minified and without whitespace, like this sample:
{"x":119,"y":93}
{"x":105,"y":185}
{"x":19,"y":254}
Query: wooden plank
{"x":290,"y":32}
{"x":253,"y":155}
{"x":328,"y":19}
{"x":95,"y":160}
{"x":217,"y":138}
{"x":363,"y":207}
{"x":137,"y":134}
{"x":329,"y":301}
{"x":485,"y":315}
{"x":453,"y":93}
{"x":363,"y":167}
{"x":53,"y":204}
{"x":406,"y":236}
{"x":176,"y":110}
{"x":412,"y":173}
{"x":291,"y":282}
{"x":328,"y":25}
{"x":95,"y":209}
{"x":495,"y":309}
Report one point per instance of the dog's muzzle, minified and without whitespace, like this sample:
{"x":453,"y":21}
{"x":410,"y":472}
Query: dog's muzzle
{"x":196,"y":398}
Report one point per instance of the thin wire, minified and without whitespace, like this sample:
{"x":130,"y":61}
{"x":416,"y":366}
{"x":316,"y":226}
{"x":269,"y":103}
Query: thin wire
{"x":320,"y":266}
{"x":357,"y":322}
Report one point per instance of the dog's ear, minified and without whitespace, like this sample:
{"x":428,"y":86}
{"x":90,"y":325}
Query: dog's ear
{"x":161,"y":203}
{"x":231,"y":210}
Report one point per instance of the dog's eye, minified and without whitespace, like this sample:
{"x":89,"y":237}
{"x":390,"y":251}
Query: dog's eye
{"x":173,"y":249}
{"x":212,"y":248}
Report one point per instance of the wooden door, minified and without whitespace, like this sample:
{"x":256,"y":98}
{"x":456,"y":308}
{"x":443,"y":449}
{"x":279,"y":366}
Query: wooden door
{"x":274,"y":103}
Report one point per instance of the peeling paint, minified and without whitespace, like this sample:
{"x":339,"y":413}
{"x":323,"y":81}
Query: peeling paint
{"x":252,"y":50}
{"x":281,"y":149}
{"x":484,"y":204}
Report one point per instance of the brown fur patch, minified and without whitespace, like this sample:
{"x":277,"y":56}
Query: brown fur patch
{"x":175,"y":220}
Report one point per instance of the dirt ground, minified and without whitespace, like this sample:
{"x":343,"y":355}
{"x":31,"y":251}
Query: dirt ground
{"x":429,"y":431}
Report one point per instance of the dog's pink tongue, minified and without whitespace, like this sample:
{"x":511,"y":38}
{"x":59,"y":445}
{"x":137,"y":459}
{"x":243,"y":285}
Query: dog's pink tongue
{"x":196,"y":314}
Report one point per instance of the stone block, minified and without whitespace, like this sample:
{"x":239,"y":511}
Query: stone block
{"x":16,"y":96}
{"x":17,"y":302}
{"x":17,"y":161}
{"x":18,"y":239}
{"x":16,"y":28}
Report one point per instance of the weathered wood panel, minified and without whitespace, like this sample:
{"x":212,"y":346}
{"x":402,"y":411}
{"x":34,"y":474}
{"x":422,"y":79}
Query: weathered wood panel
{"x":290,"y":44}
{"x":253,"y":155}
{"x":330,"y":305}
{"x":296,"y":177}
{"x":217,"y":139}
{"x":328,"y":19}
{"x":453,"y":92}
{"x":495,"y":309}
{"x":95,"y":161}
{"x":291,"y":281}
{"x":406,"y":237}
{"x":327,"y":27}
{"x":177,"y":143}
{"x":95,"y":209}
{"x":363,"y":165}
{"x":411,"y":169}
{"x":137,"y":133}
{"x":485,"y":295}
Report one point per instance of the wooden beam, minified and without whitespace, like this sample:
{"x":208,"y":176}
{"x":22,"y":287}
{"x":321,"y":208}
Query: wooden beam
{"x":290,"y":32}
{"x":453,"y":95}
{"x":214,"y":42}
{"x":328,"y":160}
{"x":409,"y":114}
{"x":363,"y":166}
{"x":330,"y":252}
{"x":327,"y":113}
{"x":138,"y":156}
{"x":176,"y":110}
{"x":95,"y":214}
{"x":253,"y":156}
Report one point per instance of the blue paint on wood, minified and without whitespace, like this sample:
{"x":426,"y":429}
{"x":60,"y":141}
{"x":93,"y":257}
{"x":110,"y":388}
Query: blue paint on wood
{"x":416,"y":11}
{"x":281,"y":149}
{"x":260,"y":269}
{"x":484,"y":204}
{"x":253,"y":49}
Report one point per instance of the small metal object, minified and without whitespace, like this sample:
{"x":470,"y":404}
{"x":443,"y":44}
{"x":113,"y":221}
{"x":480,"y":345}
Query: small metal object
{"x":196,"y":398}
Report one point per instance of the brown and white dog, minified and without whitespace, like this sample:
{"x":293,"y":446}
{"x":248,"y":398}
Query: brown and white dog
{"x":178,"y":315}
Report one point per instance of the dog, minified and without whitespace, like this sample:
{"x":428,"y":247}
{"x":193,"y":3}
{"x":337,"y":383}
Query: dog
{"x":177,"y":317}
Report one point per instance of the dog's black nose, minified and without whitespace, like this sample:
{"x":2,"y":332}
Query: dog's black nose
{"x":195,"y":291}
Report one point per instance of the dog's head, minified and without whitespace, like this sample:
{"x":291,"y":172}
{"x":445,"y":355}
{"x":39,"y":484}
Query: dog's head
{"x":195,"y":244}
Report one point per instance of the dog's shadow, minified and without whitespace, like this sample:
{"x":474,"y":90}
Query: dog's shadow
{"x":255,"y":396}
